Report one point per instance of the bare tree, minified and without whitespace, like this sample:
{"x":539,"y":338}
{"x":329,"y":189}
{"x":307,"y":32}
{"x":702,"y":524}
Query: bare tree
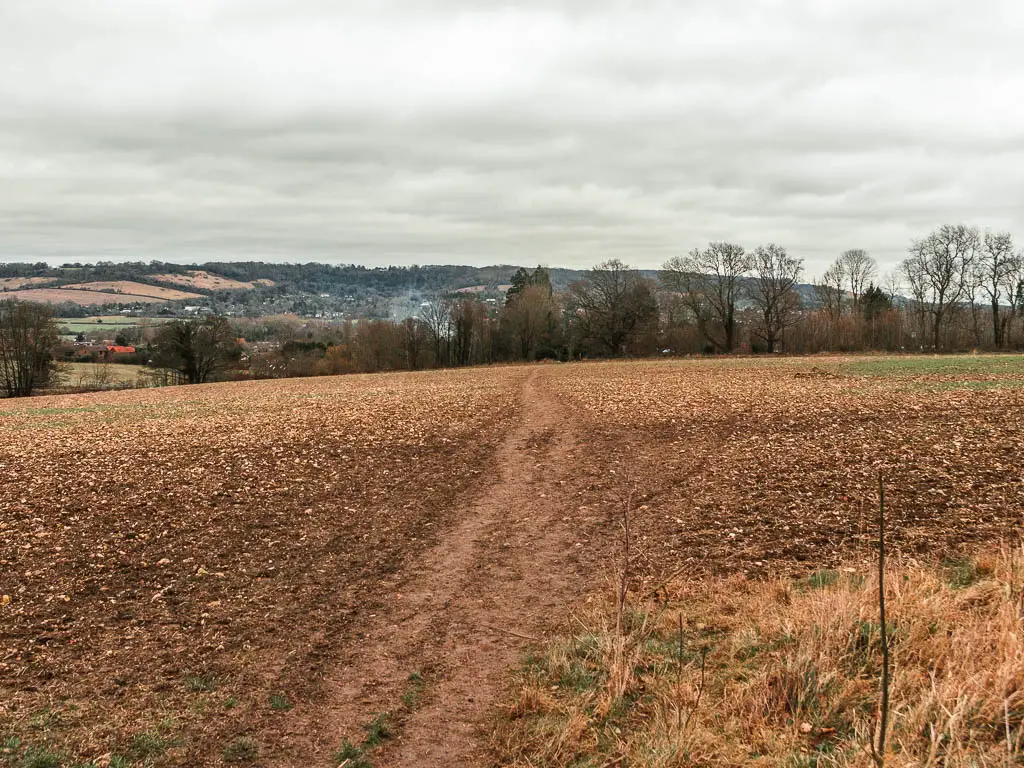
{"x":198,"y":349}
{"x":467,"y":316}
{"x":829,"y":290}
{"x":710,"y":282}
{"x":414,"y":338}
{"x":859,"y":270}
{"x":973,"y":285}
{"x":611,"y":306}
{"x":892,"y":284}
{"x":773,"y":292}
{"x":998,"y":272}
{"x":528,"y":317}
{"x":377,"y":345}
{"x":917,"y":284}
{"x":437,"y":316}
{"x":938,"y":271}
{"x":28,"y":335}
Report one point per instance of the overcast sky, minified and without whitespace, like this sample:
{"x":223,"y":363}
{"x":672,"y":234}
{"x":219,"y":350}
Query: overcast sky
{"x":462,"y":131}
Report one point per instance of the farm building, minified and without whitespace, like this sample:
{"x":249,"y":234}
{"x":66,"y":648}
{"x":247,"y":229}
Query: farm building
{"x":104,"y":352}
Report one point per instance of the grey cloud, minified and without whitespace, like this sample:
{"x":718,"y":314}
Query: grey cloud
{"x":562,"y":132}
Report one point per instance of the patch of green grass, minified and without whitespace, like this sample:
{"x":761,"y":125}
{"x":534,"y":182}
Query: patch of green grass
{"x":378,"y":730}
{"x":230,"y":702}
{"x":56,"y":411}
{"x":949,"y":386}
{"x":822,"y":578}
{"x":280,"y":702}
{"x":824,"y":754}
{"x":865,"y":645}
{"x":586,"y":646}
{"x":351,"y":756}
{"x":99,"y":323}
{"x":759,"y":645}
{"x":414,"y":690}
{"x":149,"y":744}
{"x":40,"y":757}
{"x":9,"y":744}
{"x":46,"y":718}
{"x":961,"y":572}
{"x":924,"y":365}
{"x":200,"y":683}
{"x":242,"y":750}
{"x":578,"y":677}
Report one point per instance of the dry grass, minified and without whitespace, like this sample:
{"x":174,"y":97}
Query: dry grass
{"x":135,"y":289}
{"x":765,"y":468}
{"x":792,"y":672}
{"x":208,"y":281}
{"x":14,"y":283}
{"x":101,"y":375}
{"x":82,"y":298}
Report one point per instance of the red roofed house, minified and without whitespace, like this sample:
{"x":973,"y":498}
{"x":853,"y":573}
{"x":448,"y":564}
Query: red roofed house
{"x":111,"y":350}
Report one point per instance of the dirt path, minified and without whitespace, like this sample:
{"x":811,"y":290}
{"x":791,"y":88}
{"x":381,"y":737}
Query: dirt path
{"x":505,"y":571}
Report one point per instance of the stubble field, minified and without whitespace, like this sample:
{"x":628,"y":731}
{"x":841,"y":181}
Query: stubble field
{"x":186,"y":567}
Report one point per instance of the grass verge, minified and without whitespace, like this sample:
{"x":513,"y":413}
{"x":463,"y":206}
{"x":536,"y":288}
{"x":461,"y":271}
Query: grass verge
{"x":923,"y":365}
{"x":738,"y":672}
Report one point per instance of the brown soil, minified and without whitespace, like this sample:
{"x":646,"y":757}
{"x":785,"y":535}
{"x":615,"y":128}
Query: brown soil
{"x":761,"y":469}
{"x":328,"y":538}
{"x":217,"y":544}
{"x":503,"y":576}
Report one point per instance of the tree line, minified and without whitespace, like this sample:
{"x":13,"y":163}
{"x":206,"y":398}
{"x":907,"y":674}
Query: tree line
{"x":957,"y":289}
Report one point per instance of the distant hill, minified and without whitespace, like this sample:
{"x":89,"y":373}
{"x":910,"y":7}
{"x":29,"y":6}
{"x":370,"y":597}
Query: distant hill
{"x":259,"y":288}
{"x":254,"y":287}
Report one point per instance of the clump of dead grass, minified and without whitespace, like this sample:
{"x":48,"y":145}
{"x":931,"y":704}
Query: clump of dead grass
{"x":791,"y":672}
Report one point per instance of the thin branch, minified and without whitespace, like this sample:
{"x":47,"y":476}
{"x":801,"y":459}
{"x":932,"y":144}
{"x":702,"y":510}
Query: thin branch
{"x":700,"y":686}
{"x":510,"y":632}
{"x":679,"y":676}
{"x":1006,"y":723}
{"x":879,"y":753}
{"x":627,"y":504}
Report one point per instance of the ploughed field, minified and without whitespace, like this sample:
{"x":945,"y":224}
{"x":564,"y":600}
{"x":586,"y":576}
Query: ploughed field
{"x":771,"y":466}
{"x":184,"y":567}
{"x":173,"y":558}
